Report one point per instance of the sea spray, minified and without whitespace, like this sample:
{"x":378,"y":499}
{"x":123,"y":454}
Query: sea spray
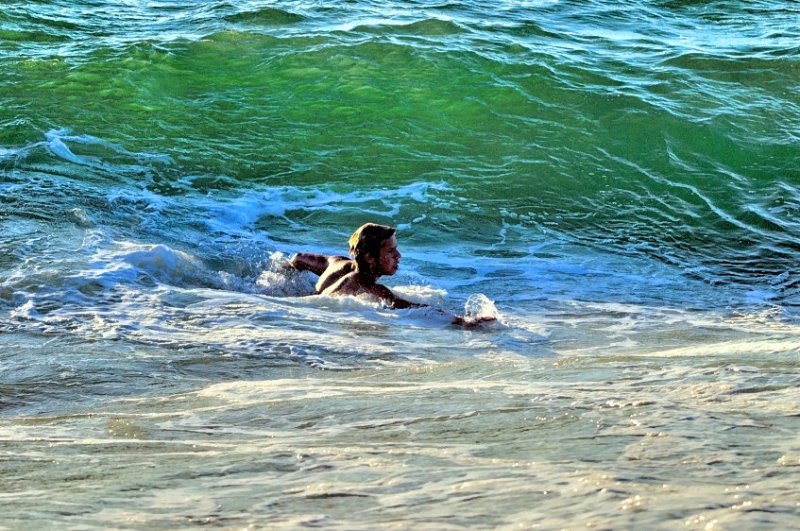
{"x":280,"y":279}
{"x":479,"y":306}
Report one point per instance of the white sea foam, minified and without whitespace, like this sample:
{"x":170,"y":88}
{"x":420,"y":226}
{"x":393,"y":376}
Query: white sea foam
{"x":126,"y":261}
{"x":57,"y":140}
{"x":167,"y":265}
{"x":422,"y":294}
{"x":479,"y":306}
{"x":279,"y":279}
{"x":238,"y":213}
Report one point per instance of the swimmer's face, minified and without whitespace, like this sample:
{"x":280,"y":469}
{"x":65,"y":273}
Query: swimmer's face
{"x":389,"y":257}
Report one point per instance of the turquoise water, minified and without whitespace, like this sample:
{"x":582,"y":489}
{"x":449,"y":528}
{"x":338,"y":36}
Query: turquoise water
{"x":618,"y":184}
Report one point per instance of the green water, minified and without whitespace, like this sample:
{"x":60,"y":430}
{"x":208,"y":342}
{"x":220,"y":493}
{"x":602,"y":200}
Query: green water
{"x":660,"y":148}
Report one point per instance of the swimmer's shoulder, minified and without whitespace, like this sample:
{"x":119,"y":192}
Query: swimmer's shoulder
{"x":341,"y":281}
{"x":339,"y":260}
{"x":329,"y":279}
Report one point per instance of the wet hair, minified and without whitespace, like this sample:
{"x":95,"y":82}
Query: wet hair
{"x":368,"y":240}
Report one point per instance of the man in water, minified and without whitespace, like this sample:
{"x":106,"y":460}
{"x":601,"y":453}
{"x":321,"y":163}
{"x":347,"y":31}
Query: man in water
{"x":374,"y":253}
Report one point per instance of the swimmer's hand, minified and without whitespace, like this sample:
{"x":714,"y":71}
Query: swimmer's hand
{"x":473,"y":322}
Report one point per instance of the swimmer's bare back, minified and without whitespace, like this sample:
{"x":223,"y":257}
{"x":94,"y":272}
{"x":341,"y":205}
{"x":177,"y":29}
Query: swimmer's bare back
{"x":329,"y":269}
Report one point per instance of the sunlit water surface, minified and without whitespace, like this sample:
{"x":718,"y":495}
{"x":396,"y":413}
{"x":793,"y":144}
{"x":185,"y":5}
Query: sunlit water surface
{"x":618,"y":185}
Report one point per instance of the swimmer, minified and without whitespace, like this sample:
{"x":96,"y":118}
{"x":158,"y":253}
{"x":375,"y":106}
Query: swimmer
{"x":374,"y":253}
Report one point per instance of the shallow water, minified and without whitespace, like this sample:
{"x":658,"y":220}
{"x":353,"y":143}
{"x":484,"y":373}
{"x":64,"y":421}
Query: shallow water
{"x":618,"y":186}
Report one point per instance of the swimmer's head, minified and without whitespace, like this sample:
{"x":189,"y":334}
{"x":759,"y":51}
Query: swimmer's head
{"x":374,"y":248}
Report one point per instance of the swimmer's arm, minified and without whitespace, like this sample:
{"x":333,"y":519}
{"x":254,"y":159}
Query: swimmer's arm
{"x":398,"y":303}
{"x":316,"y":263}
{"x":472,"y":322}
{"x":392,"y":300}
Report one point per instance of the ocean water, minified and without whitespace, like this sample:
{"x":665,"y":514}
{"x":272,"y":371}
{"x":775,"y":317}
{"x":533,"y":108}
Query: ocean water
{"x":618,"y":183}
